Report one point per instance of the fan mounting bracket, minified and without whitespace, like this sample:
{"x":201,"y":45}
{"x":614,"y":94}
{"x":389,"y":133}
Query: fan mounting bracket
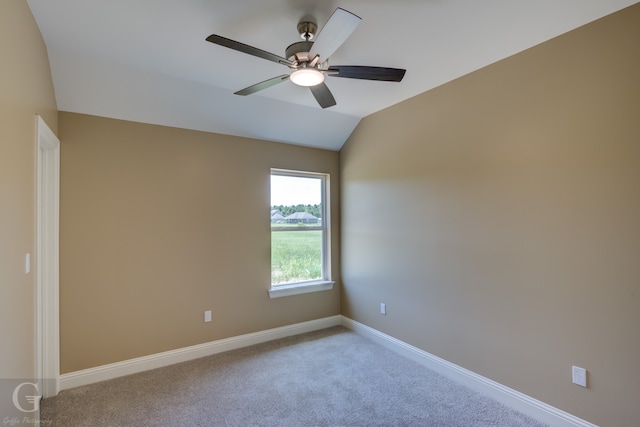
{"x":307,"y":30}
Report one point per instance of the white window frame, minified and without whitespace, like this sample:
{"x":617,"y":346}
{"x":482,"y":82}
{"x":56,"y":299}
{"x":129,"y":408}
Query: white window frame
{"x":325,"y":283}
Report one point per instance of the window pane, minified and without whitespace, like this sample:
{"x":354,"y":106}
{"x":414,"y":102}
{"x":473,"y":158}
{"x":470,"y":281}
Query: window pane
{"x":296,"y":256}
{"x":298,"y":229}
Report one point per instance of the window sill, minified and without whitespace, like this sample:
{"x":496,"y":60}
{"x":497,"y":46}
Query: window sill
{"x":300,"y":288}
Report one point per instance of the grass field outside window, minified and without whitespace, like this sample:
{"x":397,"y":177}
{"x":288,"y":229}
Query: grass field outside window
{"x":296,"y":256}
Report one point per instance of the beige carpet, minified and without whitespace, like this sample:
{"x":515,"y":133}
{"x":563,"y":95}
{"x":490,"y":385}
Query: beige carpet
{"x":332,"y":377}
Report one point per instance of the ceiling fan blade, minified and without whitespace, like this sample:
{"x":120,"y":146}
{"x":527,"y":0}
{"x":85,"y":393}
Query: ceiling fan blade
{"x":262,"y":85}
{"x":367,"y":73}
{"x":245,"y":48}
{"x":323,"y":95}
{"x":335,"y":32}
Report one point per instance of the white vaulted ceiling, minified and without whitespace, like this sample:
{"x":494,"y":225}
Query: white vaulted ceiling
{"x":148,"y":61}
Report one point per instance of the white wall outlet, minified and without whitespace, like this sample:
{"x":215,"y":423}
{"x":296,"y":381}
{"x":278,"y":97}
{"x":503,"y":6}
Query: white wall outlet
{"x":383,"y":308}
{"x":27,"y":263}
{"x":579,"y":376}
{"x":207,"y":316}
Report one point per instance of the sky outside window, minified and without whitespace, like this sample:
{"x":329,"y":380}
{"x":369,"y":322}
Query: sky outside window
{"x":293,"y":190}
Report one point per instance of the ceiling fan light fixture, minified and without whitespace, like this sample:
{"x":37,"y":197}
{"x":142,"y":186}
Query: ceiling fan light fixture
{"x":307,"y":77}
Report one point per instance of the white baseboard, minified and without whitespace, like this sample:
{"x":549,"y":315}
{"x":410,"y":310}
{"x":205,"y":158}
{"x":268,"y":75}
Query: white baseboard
{"x":140,"y":364}
{"x":508,"y":396}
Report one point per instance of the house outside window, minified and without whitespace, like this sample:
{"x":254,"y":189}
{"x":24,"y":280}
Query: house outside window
{"x":300,"y":247}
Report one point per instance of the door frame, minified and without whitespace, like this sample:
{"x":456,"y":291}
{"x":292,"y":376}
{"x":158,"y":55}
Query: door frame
{"x":47,"y":256}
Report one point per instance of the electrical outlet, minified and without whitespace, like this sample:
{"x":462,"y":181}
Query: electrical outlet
{"x":207,"y":316}
{"x":579,"y":376}
{"x":383,"y":308}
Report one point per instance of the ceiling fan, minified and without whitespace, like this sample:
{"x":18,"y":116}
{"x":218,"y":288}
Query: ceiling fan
{"x":309,"y":59}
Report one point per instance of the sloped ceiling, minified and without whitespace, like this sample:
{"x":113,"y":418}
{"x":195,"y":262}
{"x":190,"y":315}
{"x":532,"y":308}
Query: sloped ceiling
{"x":148,"y":61}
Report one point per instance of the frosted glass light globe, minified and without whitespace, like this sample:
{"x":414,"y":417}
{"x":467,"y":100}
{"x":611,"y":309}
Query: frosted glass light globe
{"x":307,"y":77}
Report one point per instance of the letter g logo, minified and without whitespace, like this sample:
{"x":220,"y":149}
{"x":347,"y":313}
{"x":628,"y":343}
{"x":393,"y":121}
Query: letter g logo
{"x":33,"y":400}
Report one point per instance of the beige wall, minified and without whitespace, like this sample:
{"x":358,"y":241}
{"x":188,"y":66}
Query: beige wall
{"x":160,"y":224}
{"x":25,"y":90}
{"x":498,"y":217}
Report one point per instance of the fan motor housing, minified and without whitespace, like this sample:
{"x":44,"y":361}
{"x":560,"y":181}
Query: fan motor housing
{"x":297,"y":47}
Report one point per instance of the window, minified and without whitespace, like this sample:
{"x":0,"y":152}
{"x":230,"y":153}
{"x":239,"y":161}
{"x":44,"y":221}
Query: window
{"x":299,"y":233}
